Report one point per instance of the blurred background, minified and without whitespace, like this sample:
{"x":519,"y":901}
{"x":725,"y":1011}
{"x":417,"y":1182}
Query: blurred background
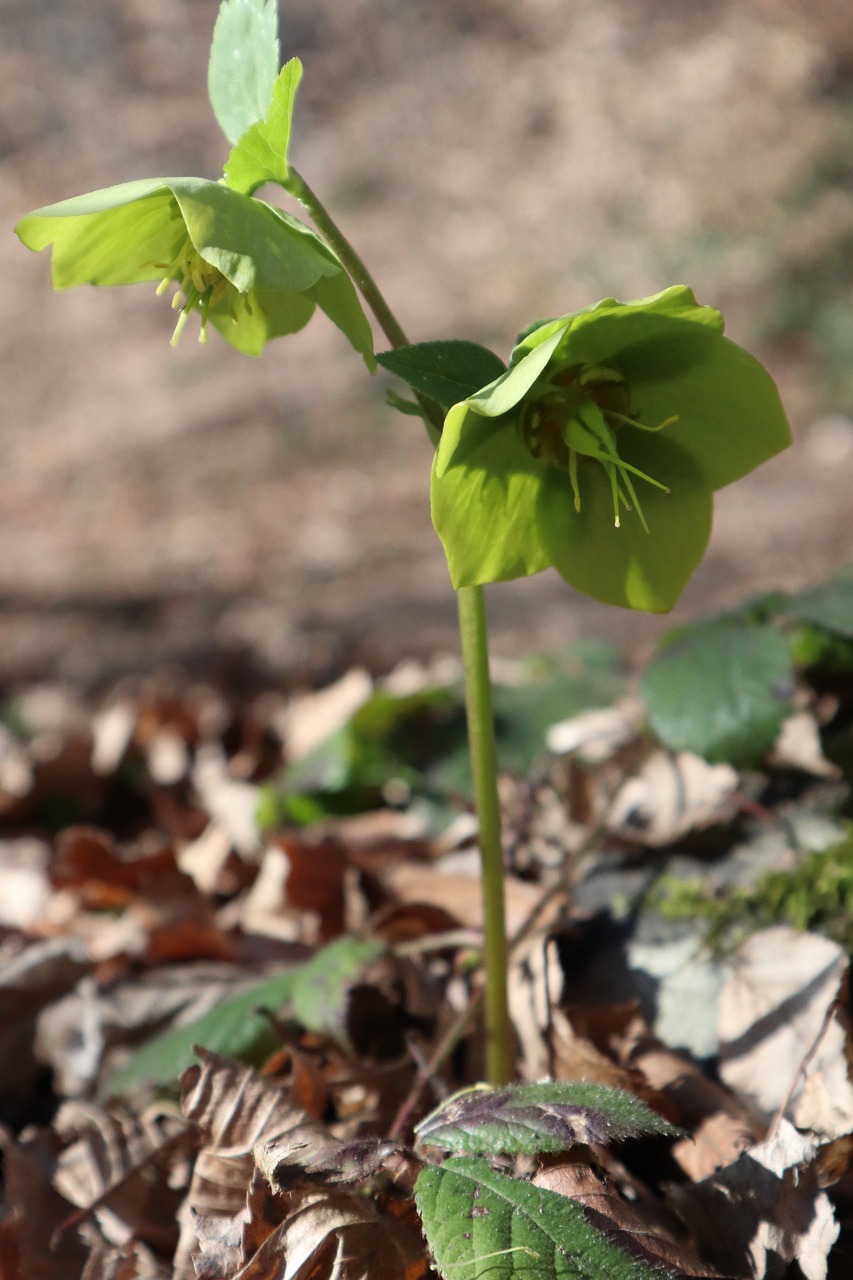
{"x":494,"y":161}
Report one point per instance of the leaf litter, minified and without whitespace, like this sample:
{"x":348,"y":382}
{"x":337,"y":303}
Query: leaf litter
{"x":240,"y":992}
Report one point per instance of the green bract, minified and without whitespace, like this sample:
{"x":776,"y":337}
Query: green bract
{"x":249,"y":269}
{"x":599,"y":449}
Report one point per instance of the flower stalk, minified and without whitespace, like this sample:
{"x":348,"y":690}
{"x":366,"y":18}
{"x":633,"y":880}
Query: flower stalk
{"x":473,"y":634}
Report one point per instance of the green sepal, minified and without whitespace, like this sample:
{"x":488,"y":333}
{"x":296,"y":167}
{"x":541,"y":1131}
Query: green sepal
{"x":261,"y":154}
{"x":446,"y":372}
{"x":278,"y":269}
{"x":699,"y":412}
{"x":243,"y":65}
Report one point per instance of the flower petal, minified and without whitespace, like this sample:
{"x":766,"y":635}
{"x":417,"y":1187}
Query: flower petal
{"x":627,"y":566}
{"x":484,"y":495}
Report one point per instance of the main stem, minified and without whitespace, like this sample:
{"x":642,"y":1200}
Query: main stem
{"x":478,"y":690}
{"x":473,"y":632}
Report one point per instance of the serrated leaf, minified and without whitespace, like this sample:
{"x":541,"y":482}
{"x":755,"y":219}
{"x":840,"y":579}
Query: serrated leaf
{"x":320,"y":991}
{"x":261,"y":154}
{"x":542,"y":1118}
{"x":446,"y":372}
{"x":482,"y":1223}
{"x":829,"y":605}
{"x":721,"y":691}
{"x":244,"y":62}
{"x":235,"y":1028}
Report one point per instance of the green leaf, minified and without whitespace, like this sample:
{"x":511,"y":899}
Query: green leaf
{"x":533,"y":1119}
{"x":235,"y":1028}
{"x":244,"y":62}
{"x":446,"y":372}
{"x":829,"y":606}
{"x":261,"y":154}
{"x":321,"y":988}
{"x":482,"y":1223}
{"x":721,"y":690}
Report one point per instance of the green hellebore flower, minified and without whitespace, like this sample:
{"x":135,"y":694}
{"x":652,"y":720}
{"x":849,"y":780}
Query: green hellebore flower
{"x":249,"y":269}
{"x":599,"y":449}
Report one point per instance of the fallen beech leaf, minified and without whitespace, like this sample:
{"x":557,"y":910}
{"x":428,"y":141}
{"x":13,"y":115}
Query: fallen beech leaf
{"x":24,"y":881}
{"x":778,"y":1043}
{"x":334,"y":1236}
{"x":31,"y":981}
{"x":37,"y":1208}
{"x":132,"y":1261}
{"x":310,"y":719}
{"x":598,"y":734}
{"x":671,"y":795}
{"x":758,"y":1215}
{"x":107,"y":1165}
{"x":798,"y":746}
{"x":309,"y":1153}
{"x":721,"y":1127}
{"x":642,"y":1229}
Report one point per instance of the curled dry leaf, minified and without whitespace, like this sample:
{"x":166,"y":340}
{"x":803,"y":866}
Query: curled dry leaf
{"x":763,"y":1212}
{"x":334,"y":1236}
{"x":719,"y":1126}
{"x":780,"y":1045}
{"x":108,"y":1165}
{"x":643,"y":1230}
{"x":670,"y":795}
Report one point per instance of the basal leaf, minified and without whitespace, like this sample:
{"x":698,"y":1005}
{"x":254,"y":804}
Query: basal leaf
{"x":261,"y":154}
{"x":480,"y":1223}
{"x":244,"y":61}
{"x":235,"y":1028}
{"x":721,"y":691}
{"x":446,"y":372}
{"x":541,"y":1118}
{"x":829,"y":605}
{"x":319,"y":994}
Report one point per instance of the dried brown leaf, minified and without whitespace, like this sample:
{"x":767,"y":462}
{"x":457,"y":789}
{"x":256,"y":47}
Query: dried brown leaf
{"x":32,"y":1232}
{"x":766,"y":1210}
{"x":721,"y":1127}
{"x":125,"y":1170}
{"x":641,"y":1228}
{"x":334,"y":1236}
{"x":781,"y":1046}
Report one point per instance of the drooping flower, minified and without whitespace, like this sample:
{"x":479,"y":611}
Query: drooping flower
{"x":598,"y":451}
{"x":247,"y":268}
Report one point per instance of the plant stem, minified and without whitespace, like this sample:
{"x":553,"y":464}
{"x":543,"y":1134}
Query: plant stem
{"x":478,"y":689}
{"x":328,"y":228}
{"x":484,"y":769}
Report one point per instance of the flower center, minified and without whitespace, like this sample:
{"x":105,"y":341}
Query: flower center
{"x":574,"y":421}
{"x":200,"y":286}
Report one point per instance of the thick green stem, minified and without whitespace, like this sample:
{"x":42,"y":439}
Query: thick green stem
{"x":484,"y":768}
{"x":478,"y":689}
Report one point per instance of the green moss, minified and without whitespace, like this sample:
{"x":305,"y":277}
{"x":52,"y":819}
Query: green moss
{"x":816,"y":894}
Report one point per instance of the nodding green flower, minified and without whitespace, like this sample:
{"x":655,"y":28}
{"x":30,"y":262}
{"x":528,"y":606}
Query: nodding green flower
{"x":248,"y":269}
{"x":598,"y":451}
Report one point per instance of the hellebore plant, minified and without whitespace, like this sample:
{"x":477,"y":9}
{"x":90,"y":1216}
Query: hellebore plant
{"x":597,"y":451}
